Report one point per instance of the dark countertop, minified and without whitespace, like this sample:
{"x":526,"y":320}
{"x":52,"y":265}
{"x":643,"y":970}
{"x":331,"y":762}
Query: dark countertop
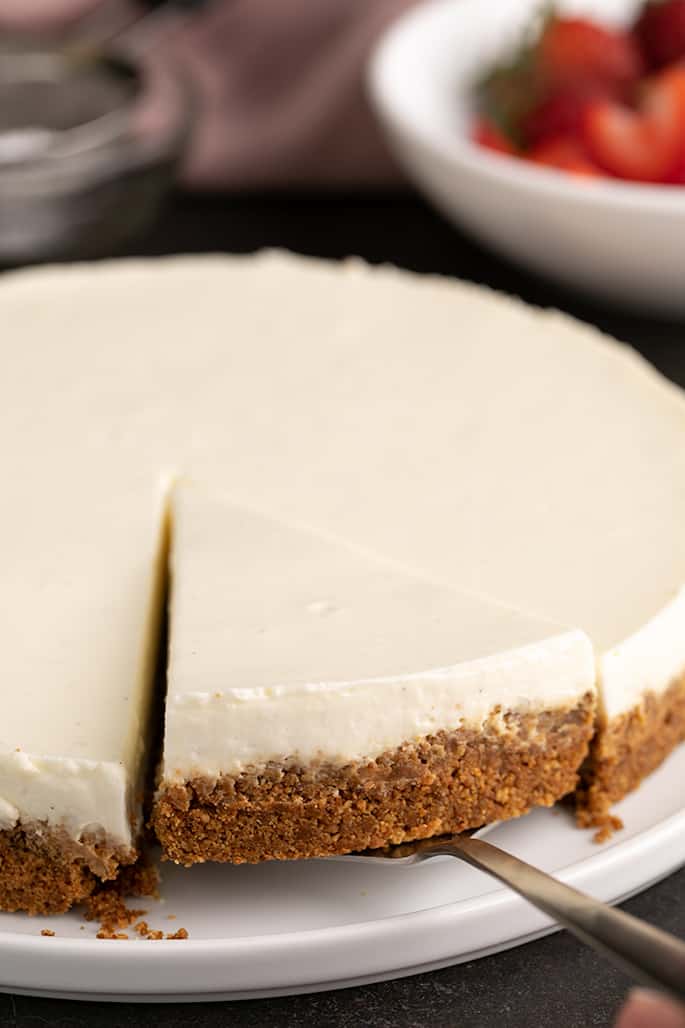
{"x":554,"y":981}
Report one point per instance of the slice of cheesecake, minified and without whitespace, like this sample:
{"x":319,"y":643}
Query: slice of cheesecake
{"x":321,"y":700}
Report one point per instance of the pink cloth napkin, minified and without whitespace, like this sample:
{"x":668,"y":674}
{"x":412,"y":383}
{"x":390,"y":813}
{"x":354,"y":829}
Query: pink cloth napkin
{"x":280,"y":84}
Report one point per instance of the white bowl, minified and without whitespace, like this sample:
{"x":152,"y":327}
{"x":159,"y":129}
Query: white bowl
{"x":618,"y":241}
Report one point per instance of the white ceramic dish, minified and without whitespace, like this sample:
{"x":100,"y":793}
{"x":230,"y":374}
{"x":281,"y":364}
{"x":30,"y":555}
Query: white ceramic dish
{"x":618,"y":241}
{"x":306,"y":926}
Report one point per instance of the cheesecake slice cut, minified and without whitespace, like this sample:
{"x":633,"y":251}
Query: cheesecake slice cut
{"x":321,"y":700}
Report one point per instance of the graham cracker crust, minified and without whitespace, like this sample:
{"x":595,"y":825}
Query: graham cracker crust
{"x":446,"y":782}
{"x":45,"y":871}
{"x":627,"y":749}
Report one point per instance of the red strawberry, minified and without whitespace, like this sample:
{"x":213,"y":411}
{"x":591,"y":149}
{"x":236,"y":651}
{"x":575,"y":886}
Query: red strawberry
{"x":645,"y":144}
{"x":575,"y":52}
{"x":565,"y":153}
{"x":559,"y":114}
{"x":660,"y":32}
{"x":677,"y":176}
{"x":487,"y":134}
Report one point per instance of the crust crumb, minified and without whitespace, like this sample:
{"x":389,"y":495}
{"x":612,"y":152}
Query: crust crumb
{"x":606,"y":824}
{"x":107,"y":904}
{"x":602,"y":819}
{"x":108,"y":907}
{"x":145,"y":932}
{"x":48,"y":932}
{"x":180,"y":934}
{"x":606,"y":831}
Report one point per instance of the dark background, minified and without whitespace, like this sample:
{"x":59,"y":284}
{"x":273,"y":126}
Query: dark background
{"x":554,"y":981}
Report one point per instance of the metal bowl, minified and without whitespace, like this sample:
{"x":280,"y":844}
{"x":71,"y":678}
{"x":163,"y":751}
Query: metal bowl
{"x":89,"y":143}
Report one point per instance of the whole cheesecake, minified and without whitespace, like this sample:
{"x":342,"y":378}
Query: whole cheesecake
{"x":507,"y":471}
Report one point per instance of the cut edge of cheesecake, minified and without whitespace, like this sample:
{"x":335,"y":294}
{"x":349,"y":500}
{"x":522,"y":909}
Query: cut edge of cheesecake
{"x":626,"y":749}
{"x":640,"y":716}
{"x":77,"y":822}
{"x":322,"y":700}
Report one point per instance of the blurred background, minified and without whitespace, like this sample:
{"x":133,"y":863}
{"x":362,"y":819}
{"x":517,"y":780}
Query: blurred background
{"x":556,"y":142}
{"x":106,"y":104}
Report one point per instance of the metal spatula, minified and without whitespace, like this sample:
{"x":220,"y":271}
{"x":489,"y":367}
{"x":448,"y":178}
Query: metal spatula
{"x":651,"y":956}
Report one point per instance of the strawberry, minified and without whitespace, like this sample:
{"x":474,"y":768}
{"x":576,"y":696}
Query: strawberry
{"x":487,"y":134}
{"x":577,"y":53}
{"x":644,"y":144}
{"x":559,"y":114}
{"x":538,"y":91}
{"x":660,"y":32}
{"x":676,"y":176}
{"x":565,"y":153}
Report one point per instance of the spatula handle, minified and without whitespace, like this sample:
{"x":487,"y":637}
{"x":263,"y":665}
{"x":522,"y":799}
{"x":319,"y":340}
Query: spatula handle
{"x":650,"y":955}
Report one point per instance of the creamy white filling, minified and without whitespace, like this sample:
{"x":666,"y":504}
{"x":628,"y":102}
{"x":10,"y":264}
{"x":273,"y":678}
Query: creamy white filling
{"x":9,"y":815}
{"x":649,"y":661}
{"x":229,"y":731}
{"x":77,"y":796}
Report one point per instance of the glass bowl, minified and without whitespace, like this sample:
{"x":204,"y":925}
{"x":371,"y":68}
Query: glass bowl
{"x":89,"y":145}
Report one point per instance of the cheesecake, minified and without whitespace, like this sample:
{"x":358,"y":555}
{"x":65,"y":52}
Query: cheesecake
{"x":321,"y":700}
{"x":464,"y":438}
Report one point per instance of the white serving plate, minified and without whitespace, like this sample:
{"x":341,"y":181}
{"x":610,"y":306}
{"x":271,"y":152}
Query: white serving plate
{"x":617,"y":241}
{"x":305,"y":926}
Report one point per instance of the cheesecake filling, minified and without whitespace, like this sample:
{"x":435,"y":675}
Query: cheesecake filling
{"x":229,"y":731}
{"x":81,"y":797}
{"x":649,"y":662}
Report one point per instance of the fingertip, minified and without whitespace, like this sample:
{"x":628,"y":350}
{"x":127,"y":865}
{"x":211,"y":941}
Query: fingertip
{"x":647,"y":1009}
